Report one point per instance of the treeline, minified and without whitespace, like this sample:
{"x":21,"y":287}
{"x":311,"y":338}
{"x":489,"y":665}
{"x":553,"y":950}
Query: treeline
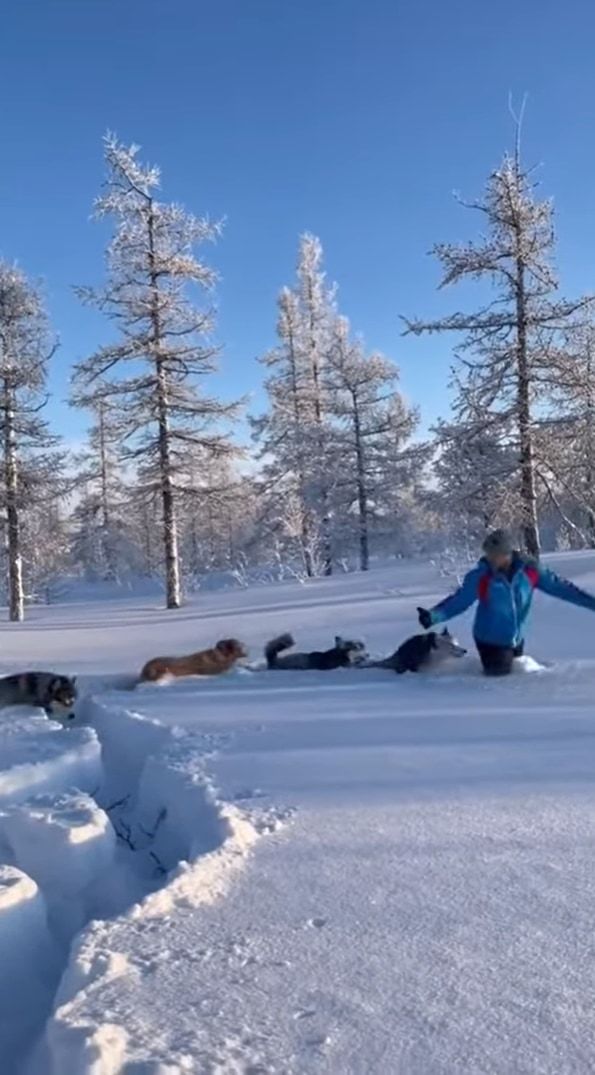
{"x":334,"y":472}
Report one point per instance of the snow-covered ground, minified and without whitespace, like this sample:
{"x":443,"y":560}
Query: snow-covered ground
{"x":347,"y":873}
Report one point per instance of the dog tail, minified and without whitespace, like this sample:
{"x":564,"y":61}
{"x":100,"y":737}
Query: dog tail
{"x":277,"y":646}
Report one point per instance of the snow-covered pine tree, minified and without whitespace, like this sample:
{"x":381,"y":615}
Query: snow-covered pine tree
{"x":26,"y":346}
{"x":281,"y":432}
{"x":317,"y":308}
{"x":506,"y":346}
{"x":163,"y":349}
{"x":294,"y":435}
{"x":372,"y":454}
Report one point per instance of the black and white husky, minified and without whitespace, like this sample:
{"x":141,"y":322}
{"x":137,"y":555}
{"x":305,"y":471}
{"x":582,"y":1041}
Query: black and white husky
{"x":422,"y":653}
{"x":53,"y":693}
{"x":345,"y":652}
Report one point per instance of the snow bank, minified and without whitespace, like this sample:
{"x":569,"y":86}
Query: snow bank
{"x":23,"y":925}
{"x":66,"y":795}
{"x":168,"y":809}
{"x":176,"y":803}
{"x":26,"y":960}
{"x":38,"y":755}
{"x":67,"y":844}
{"x":127,"y":739}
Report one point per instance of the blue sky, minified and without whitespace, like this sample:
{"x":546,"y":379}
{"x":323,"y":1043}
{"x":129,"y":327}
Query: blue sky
{"x":353,"y":119}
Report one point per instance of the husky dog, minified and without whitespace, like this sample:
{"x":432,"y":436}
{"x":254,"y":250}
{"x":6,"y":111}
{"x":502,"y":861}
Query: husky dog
{"x":421,"y":653}
{"x":53,"y":693}
{"x":207,"y":662}
{"x":345,"y":652}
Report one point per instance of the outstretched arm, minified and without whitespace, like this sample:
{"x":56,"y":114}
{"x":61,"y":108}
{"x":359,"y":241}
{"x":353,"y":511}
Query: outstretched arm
{"x":550,"y":583}
{"x":460,"y":600}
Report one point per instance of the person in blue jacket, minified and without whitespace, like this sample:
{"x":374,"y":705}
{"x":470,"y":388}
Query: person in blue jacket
{"x":502,"y":584}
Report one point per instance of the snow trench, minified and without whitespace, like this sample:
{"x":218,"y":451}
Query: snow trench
{"x":113,"y":817}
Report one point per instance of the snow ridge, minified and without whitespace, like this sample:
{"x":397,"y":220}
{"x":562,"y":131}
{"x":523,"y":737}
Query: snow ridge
{"x":120,"y":819}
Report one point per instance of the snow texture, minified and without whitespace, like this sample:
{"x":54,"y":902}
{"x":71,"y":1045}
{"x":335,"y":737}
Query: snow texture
{"x":419,"y":899}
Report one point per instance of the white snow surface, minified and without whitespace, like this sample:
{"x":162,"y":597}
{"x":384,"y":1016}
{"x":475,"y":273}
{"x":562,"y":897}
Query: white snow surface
{"x":299,"y":872}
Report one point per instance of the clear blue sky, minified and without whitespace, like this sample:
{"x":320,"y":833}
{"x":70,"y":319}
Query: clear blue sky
{"x":354,"y":119}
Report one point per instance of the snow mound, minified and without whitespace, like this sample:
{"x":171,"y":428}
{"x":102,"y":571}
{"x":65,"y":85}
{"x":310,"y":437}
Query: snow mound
{"x":22,"y":917}
{"x":66,"y":843}
{"x":162,"y":804}
{"x":39,"y":755}
{"x":25,"y":959}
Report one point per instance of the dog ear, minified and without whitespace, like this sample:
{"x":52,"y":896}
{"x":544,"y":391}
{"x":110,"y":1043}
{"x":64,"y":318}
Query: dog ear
{"x":446,"y":633}
{"x":73,"y":681}
{"x":338,"y":640}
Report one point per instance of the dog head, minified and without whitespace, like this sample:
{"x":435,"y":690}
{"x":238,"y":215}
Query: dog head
{"x":354,"y":650}
{"x":446,"y":646}
{"x":62,"y":696}
{"x":231,"y":649}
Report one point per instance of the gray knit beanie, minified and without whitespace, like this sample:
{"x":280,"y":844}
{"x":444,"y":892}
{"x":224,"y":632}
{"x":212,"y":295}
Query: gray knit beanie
{"x":498,"y":543}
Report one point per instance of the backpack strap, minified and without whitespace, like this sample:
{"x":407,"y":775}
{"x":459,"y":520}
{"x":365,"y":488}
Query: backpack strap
{"x":483,"y":588}
{"x":532,"y":574}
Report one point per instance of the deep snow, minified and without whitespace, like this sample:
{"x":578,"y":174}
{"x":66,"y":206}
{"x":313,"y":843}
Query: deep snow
{"x":348,"y":872}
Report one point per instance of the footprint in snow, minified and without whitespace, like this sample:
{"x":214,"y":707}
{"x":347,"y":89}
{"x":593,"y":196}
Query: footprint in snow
{"x":316,"y":923}
{"x":304,"y":1013}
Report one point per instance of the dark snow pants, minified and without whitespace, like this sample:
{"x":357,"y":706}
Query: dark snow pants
{"x":497,"y":660}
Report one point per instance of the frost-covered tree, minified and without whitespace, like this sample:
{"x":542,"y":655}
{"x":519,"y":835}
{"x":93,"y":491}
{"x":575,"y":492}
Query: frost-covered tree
{"x":26,"y":346}
{"x":506,"y":347}
{"x":475,"y":467}
{"x":46,"y":544}
{"x":213,"y":508}
{"x":294,"y":435}
{"x":163,"y":347}
{"x":475,"y":486}
{"x":566,"y":445}
{"x":100,"y":536}
{"x":374,"y":425}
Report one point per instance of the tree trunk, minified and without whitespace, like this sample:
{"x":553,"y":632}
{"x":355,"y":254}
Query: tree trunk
{"x":305,"y":538}
{"x":108,"y":552}
{"x":16,"y":601}
{"x":362,"y":493}
{"x":327,"y":549}
{"x":530,"y":524}
{"x":170,"y":534}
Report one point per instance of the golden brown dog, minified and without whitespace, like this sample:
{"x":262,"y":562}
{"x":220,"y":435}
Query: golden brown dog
{"x":207,"y":662}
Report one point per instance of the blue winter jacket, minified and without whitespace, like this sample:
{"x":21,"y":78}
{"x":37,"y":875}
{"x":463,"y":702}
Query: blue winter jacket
{"x":504,"y":599}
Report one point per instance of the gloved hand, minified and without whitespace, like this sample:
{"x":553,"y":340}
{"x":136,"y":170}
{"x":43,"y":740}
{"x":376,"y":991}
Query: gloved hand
{"x":425,"y":618}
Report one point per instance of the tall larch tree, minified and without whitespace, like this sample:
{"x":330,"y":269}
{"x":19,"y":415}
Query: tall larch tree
{"x":26,"y":346}
{"x":164,"y":343}
{"x":374,"y":426}
{"x":506,"y":346}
